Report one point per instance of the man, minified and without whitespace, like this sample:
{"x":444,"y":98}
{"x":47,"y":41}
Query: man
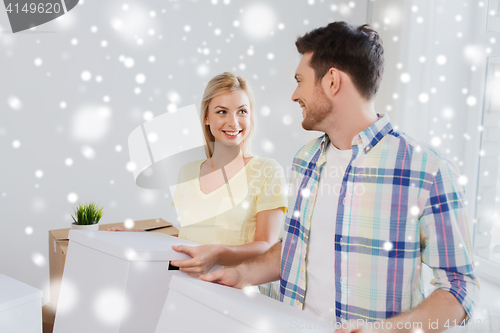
{"x":356,"y":253}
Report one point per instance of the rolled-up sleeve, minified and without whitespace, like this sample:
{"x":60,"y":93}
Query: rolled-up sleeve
{"x":272,"y":194}
{"x":445,"y":238}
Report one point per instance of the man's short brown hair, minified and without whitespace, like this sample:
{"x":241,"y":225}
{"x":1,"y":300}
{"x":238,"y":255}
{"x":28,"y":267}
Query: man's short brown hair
{"x":355,"y":50}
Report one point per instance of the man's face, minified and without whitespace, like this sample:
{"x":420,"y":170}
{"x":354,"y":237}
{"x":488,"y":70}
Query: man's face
{"x":310,"y":96}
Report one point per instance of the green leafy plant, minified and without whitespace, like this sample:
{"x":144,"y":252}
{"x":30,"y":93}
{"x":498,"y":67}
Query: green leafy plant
{"x":87,"y":214}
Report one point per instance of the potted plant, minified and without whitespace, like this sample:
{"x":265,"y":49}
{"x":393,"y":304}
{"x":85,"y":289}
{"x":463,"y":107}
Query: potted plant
{"x":87,"y":217}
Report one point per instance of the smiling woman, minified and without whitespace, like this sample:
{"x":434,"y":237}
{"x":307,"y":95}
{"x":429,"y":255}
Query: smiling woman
{"x":233,"y":202}
{"x":226,"y":91}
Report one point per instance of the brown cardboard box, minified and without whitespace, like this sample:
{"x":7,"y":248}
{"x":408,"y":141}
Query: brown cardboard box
{"x":48,"y":318}
{"x":58,"y":247}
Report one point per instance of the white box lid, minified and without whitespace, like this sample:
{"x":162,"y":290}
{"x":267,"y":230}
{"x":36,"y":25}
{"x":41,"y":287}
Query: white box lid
{"x":14,"y":293}
{"x":132,"y":246}
{"x":251,"y":308}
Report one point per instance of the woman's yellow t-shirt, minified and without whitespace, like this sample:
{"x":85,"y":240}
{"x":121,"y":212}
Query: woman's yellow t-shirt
{"x":228,"y":214}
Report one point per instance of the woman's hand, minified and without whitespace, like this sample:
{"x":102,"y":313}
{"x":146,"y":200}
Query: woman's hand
{"x":204,"y":258}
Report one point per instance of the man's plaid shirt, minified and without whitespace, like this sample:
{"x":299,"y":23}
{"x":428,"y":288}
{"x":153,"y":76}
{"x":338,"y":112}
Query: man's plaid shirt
{"x":400,"y":206}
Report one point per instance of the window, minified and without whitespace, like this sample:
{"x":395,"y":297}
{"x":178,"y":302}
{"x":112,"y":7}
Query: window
{"x":493,"y":24}
{"x":487,"y":232}
{"x":487,"y":228}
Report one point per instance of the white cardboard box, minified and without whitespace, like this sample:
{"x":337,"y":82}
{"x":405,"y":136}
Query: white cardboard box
{"x":193,"y":305}
{"x":20,"y":307}
{"x":116,"y":281}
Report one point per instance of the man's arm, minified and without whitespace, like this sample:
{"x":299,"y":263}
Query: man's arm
{"x":205,"y":257}
{"x":437,"y":313}
{"x":258,"y":270}
{"x":446,"y":249}
{"x":433,"y":313}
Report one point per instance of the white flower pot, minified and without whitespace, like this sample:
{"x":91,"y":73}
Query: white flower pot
{"x":91,"y":227}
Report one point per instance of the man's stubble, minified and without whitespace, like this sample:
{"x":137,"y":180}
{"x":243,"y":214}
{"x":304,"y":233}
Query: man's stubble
{"x":317,"y":110}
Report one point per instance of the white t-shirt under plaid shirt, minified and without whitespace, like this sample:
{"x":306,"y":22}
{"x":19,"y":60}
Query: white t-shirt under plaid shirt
{"x":400,"y":206}
{"x":320,"y":258}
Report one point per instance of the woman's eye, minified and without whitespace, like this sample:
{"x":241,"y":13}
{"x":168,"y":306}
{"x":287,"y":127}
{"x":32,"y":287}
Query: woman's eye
{"x":221,"y":112}
{"x":243,"y":111}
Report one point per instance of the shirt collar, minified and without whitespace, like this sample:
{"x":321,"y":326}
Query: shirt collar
{"x":373,"y":134}
{"x":368,"y":138}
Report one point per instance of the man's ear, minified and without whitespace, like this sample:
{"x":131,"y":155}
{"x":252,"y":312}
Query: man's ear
{"x":332,"y":82}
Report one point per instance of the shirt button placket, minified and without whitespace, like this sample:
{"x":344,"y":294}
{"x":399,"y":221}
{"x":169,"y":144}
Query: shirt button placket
{"x":341,"y":244}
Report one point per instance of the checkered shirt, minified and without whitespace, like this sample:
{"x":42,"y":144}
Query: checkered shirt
{"x":400,"y":205}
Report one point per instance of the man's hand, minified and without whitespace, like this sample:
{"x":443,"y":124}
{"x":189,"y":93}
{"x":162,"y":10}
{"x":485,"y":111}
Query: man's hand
{"x":204,"y":258}
{"x":231,"y":277}
{"x":258,"y":270}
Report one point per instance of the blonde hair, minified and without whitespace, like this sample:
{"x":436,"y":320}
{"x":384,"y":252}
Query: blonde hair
{"x":222,"y":84}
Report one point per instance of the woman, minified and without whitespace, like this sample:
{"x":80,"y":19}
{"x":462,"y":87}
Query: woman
{"x":233,"y":202}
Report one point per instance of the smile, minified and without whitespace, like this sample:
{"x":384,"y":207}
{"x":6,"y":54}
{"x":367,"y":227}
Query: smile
{"x":232,"y":134}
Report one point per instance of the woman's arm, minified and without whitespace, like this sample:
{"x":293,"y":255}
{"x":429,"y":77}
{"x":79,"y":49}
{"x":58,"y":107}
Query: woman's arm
{"x":268,"y":227}
{"x":205,"y":257}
